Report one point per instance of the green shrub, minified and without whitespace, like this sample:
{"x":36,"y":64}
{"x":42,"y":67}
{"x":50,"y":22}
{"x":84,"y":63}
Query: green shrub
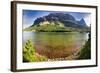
{"x":85,"y":52}
{"x":29,"y":54}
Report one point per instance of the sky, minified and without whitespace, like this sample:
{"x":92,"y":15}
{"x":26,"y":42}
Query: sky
{"x":29,"y":16}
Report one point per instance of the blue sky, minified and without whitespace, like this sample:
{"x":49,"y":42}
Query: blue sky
{"x":29,"y":16}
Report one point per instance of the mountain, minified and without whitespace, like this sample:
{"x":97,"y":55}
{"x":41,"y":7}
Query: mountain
{"x":82,"y":22}
{"x":54,"y":17}
{"x":58,"y":22}
{"x":67,"y":19}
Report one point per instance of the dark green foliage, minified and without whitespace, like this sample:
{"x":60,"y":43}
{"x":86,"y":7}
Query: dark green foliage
{"x":85,"y":52}
{"x":29,"y":54}
{"x":56,"y":28}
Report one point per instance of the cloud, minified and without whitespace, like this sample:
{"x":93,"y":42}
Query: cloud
{"x":87,"y":19}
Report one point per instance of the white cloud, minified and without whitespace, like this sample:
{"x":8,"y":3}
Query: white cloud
{"x":87,"y":19}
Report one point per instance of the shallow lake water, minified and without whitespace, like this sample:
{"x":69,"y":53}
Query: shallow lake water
{"x":56,"y":44}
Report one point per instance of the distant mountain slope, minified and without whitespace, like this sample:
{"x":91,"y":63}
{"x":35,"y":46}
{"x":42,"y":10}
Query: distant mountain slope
{"x":66,"y":19}
{"x":82,"y":22}
{"x":58,"y":21}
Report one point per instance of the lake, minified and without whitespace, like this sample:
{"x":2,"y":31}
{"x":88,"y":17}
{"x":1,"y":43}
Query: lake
{"x":56,"y":44}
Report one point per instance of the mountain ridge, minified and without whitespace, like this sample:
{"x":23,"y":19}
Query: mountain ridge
{"x":58,"y":22}
{"x":61,"y":17}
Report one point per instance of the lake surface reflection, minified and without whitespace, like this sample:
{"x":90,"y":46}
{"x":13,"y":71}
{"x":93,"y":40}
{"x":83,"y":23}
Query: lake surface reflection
{"x":56,"y":44}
